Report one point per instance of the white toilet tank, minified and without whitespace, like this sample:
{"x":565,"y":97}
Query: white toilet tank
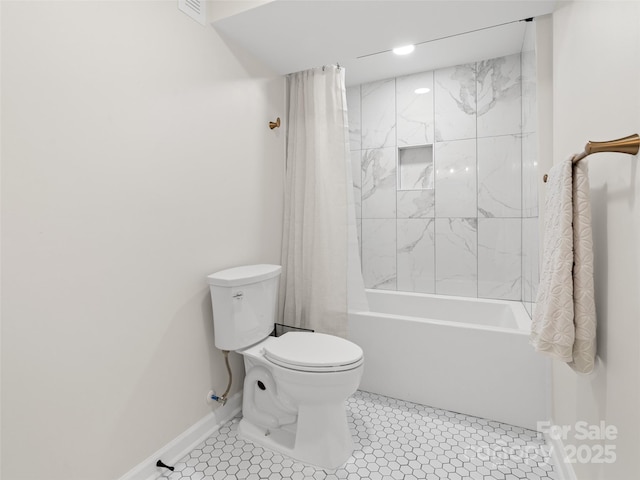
{"x":244,"y":301}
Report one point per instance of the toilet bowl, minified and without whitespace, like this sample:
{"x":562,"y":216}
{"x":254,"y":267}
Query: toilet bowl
{"x":296,"y":385}
{"x":304,"y":415}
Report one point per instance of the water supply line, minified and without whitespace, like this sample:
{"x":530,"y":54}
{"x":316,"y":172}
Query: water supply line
{"x":223,"y":398}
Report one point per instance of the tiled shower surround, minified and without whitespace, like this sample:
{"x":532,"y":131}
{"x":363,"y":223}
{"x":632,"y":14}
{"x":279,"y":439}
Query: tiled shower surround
{"x":394,"y":440}
{"x":464,"y":224}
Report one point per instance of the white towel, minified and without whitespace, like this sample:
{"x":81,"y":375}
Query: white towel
{"x":564,"y":320}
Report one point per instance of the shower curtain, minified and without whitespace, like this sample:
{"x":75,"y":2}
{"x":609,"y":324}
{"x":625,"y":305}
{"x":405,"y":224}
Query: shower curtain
{"x":319,"y":245}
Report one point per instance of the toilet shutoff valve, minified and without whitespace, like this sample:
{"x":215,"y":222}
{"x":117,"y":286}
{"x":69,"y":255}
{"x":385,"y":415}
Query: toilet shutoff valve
{"x":212,"y":397}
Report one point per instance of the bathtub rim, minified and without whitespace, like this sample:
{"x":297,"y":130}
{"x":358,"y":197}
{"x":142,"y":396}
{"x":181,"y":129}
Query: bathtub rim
{"x":520,"y":314}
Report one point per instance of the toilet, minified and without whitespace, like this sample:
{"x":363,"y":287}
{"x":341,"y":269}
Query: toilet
{"x":296,"y":385}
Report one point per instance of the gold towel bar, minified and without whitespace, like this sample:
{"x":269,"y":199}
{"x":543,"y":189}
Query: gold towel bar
{"x":629,"y":145}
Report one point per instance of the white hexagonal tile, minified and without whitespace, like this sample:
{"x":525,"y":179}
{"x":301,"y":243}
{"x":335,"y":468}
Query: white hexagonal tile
{"x":393,"y":440}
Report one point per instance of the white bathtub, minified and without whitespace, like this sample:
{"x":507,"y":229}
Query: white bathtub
{"x":466,"y":355}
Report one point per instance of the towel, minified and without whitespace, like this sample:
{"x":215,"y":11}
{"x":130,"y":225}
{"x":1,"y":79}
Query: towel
{"x":564,"y":320}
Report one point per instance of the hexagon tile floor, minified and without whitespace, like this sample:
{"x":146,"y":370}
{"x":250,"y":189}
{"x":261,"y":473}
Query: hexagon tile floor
{"x":395,"y":440}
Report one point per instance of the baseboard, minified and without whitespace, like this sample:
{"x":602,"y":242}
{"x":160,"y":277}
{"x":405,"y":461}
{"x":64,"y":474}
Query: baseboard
{"x":562,"y":468}
{"x":186,"y":441}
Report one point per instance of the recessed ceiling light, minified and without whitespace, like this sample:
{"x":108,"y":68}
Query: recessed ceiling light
{"x":421,"y":91}
{"x":404,"y":50}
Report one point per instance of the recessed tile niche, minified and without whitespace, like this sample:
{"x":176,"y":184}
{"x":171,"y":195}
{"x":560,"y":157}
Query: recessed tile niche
{"x":415,"y":167}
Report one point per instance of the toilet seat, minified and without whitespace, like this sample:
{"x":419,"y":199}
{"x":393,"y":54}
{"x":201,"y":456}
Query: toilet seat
{"x":313,"y":352}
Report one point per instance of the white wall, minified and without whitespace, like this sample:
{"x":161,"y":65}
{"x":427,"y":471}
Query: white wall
{"x":597,"y":97}
{"x":136,"y":159}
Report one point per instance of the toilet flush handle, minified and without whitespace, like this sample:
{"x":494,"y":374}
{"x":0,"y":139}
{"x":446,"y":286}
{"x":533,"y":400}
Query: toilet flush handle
{"x":238,"y":296}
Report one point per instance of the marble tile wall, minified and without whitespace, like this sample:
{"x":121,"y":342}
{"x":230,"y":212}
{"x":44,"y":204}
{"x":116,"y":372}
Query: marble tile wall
{"x":469,"y":229}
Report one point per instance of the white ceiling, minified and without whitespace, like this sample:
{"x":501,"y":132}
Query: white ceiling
{"x":294,"y":35}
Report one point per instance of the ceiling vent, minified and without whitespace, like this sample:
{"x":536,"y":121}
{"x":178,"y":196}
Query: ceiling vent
{"x":195,"y":9}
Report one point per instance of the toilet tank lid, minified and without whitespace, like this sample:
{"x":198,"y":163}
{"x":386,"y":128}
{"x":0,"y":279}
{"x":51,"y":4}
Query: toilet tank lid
{"x":244,"y":275}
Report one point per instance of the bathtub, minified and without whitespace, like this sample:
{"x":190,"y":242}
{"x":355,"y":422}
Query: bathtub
{"x":461,"y":354}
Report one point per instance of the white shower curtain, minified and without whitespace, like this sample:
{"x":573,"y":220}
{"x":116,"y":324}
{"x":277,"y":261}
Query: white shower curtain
{"x":318,"y":222}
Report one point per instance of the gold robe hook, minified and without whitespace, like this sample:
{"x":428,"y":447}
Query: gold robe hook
{"x":275,"y":124}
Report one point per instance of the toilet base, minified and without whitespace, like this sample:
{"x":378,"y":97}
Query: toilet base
{"x":315,"y":441}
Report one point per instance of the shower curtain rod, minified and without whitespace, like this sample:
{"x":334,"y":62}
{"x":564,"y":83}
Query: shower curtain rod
{"x":530,"y":19}
{"x":629,"y":145}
